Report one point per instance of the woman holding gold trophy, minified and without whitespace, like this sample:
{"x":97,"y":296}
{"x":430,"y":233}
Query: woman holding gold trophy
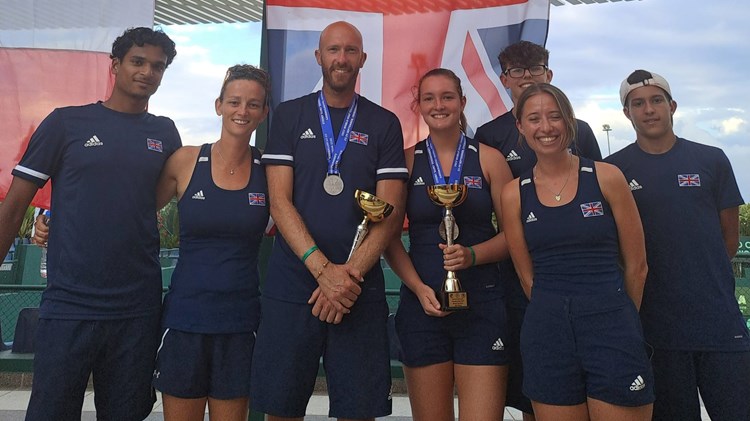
{"x":451,"y":318}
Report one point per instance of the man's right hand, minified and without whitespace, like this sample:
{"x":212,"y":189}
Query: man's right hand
{"x":41,"y":231}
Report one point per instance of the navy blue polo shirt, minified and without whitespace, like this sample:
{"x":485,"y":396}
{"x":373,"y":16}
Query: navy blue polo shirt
{"x":103,"y":246}
{"x":374,"y":152}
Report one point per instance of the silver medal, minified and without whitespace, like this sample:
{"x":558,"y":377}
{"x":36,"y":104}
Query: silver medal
{"x":333,"y":184}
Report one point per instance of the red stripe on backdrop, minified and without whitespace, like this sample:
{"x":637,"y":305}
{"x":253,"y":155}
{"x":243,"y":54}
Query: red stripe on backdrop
{"x":421,"y":53}
{"x":395,"y":7}
{"x":33,"y":82}
{"x":479,"y":79}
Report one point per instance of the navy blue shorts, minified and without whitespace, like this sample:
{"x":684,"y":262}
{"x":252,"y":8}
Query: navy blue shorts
{"x":196,"y":365}
{"x":477,"y":336}
{"x":585,"y":346}
{"x":287,"y":353}
{"x":723,"y":379}
{"x":119,"y":353}
{"x":514,"y":396}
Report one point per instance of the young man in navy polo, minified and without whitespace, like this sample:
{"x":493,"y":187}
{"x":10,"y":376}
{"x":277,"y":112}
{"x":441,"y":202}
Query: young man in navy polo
{"x":689,"y":202}
{"x":99,"y":314}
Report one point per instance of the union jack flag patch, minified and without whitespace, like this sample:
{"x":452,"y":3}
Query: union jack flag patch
{"x":358,"y":137}
{"x":689,"y":180}
{"x":473,"y":182}
{"x":592,"y":209}
{"x":256,"y":199}
{"x":154,"y":145}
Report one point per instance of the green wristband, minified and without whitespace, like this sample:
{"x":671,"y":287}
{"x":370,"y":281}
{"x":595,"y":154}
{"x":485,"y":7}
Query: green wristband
{"x":309,"y":251}
{"x":473,"y":256}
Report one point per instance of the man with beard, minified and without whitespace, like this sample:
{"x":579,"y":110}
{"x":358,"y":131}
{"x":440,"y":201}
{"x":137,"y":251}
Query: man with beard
{"x":322,"y":147}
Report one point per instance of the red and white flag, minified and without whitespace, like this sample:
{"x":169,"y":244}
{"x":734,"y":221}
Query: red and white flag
{"x":52,"y":54}
{"x":403,"y":40}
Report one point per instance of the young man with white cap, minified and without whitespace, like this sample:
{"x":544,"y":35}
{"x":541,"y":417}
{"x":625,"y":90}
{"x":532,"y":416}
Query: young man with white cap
{"x":689,"y":203}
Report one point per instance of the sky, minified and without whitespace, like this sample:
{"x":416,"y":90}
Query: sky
{"x":699,"y":46}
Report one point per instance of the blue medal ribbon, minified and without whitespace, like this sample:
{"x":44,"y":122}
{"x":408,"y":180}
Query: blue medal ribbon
{"x":335,"y":148}
{"x":458,"y":162}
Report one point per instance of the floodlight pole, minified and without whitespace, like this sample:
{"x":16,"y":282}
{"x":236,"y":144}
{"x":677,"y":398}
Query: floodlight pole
{"x":607,"y":129}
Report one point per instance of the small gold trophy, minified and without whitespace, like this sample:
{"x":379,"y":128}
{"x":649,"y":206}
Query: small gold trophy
{"x":375,"y":210}
{"x":452,"y":297}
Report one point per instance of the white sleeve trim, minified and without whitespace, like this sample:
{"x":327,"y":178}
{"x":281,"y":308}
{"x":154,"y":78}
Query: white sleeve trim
{"x":392,"y":171}
{"x":32,"y":173}
{"x":289,"y":158}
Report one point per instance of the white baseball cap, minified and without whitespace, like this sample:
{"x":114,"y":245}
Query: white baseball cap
{"x":642,"y":78}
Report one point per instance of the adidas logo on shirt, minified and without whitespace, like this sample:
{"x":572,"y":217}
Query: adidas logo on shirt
{"x":199,"y":195}
{"x":419,"y":182}
{"x":531,"y":218}
{"x":94,"y":141}
{"x":307,"y":134}
{"x":512,"y":156}
{"x":498,"y":345}
{"x":634,"y":185}
{"x":638,"y":384}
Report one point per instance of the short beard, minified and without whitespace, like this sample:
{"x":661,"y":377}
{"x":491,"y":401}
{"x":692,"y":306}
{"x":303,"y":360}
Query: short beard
{"x":338,"y":88}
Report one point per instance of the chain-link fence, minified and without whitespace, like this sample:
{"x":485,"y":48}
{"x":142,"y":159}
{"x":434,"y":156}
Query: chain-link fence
{"x":13,"y":298}
{"x":741,"y":266}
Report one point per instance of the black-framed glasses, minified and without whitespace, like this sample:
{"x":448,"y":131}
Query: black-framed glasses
{"x":518,"y":72}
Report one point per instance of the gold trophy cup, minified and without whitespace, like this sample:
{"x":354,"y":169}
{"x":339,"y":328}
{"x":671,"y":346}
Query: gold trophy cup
{"x":374,"y":209}
{"x":452,"y":297}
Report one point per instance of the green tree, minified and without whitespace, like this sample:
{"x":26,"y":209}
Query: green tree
{"x":169,"y":225}
{"x":24,"y":231}
{"x":745,"y":220}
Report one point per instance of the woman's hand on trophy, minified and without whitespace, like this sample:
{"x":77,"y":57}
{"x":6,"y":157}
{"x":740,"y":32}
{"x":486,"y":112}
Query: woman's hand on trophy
{"x":340,"y":285}
{"x":323,"y":309}
{"x":429,"y":301}
{"x":456,"y":257}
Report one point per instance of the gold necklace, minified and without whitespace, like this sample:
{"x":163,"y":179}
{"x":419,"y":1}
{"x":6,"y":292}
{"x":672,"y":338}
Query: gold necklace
{"x":231,"y":170}
{"x":558,"y":195}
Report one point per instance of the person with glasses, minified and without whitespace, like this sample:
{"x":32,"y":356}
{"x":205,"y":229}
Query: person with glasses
{"x":523,"y":64}
{"x":689,"y":202}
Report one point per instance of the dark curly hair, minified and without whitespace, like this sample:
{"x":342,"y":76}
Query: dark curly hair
{"x":139,"y":37}
{"x":523,"y":54}
{"x":247,"y":72}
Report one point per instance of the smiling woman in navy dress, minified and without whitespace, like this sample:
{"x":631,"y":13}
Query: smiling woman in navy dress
{"x":212,"y":309}
{"x":442,"y":349}
{"x":570,"y":222}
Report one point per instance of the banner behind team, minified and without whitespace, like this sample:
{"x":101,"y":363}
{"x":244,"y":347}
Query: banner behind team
{"x":55,"y":53}
{"x":403,"y":40}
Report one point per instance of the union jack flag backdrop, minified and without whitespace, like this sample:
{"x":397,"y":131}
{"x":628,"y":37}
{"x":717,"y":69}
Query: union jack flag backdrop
{"x":55,"y":53}
{"x":403,"y":40}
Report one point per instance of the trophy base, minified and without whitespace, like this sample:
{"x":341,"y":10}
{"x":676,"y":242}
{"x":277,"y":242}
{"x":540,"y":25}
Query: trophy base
{"x":454,"y":300}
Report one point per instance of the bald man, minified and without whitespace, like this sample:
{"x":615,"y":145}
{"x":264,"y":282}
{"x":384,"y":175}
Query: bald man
{"x":323,"y":147}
